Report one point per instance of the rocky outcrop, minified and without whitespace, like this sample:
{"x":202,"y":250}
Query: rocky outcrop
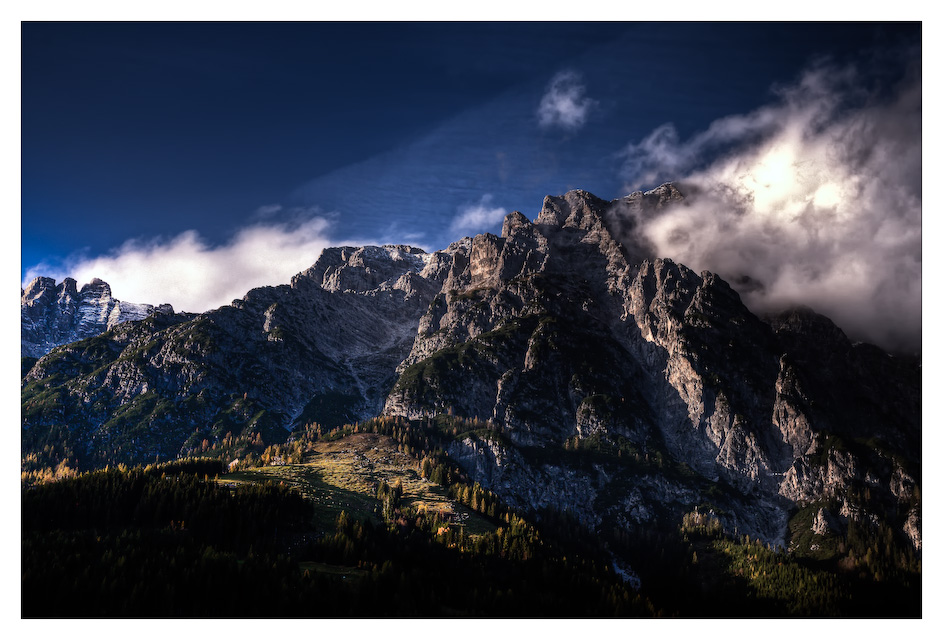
{"x":912,"y":528}
{"x":52,"y":315}
{"x":824,"y":523}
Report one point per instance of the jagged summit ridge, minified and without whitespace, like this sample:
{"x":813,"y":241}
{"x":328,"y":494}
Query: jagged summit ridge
{"x":363,"y":269}
{"x":541,"y":329}
{"x":52,"y":315}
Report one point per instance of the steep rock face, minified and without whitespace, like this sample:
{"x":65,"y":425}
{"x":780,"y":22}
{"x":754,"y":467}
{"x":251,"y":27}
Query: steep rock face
{"x":560,"y":335}
{"x":52,"y":315}
{"x":499,"y":333}
{"x":849,"y":390}
{"x":573,"y":313}
{"x":718,"y":366}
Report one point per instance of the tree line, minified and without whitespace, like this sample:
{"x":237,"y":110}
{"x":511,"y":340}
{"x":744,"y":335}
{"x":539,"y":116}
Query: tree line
{"x":167,"y":540}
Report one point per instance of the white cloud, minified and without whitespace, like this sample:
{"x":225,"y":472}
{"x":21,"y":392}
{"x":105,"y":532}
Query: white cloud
{"x":478,"y":217}
{"x":192,"y":275}
{"x":817,"y":197}
{"x":564,"y":105}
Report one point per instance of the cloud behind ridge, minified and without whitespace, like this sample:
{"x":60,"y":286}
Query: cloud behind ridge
{"x":192,"y":275}
{"x":816,"y":198}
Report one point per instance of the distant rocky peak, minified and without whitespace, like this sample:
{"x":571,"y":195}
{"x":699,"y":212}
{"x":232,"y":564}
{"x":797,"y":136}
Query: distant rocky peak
{"x":42,"y":290}
{"x":604,"y":222}
{"x":583,"y":210}
{"x":52,"y":315}
{"x":37,"y":288}
{"x":410,"y":257}
{"x":68,"y":288}
{"x":368,"y":268}
{"x":579,"y":209}
{"x":97,"y":288}
{"x":664,"y":195}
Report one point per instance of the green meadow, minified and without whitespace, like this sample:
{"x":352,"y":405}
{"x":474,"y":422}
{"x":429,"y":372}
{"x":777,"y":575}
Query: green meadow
{"x":344,"y":475}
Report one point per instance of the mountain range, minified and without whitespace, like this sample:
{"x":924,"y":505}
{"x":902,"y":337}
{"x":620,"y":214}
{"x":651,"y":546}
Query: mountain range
{"x":603,"y":381}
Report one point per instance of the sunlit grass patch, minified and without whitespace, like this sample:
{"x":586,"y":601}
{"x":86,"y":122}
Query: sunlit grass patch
{"x":344,"y":475}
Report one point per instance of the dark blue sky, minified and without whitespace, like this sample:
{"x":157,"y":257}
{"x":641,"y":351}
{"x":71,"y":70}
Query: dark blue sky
{"x":390,"y":131}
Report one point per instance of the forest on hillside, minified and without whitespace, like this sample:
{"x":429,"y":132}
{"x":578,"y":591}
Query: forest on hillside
{"x":179,"y":539}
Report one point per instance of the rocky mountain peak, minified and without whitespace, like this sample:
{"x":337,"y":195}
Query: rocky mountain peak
{"x":607,"y":224}
{"x":68,"y":288}
{"x":52,"y":315}
{"x":363,"y":269}
{"x":576,"y":209}
{"x":515,"y":222}
{"x":661,"y":196}
{"x":97,"y":288}
{"x":37,"y":289}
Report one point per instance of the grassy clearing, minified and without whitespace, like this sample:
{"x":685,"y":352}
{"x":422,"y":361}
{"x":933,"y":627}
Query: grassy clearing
{"x":343,"y":475}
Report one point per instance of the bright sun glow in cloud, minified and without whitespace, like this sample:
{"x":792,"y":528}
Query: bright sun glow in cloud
{"x":817,"y":198}
{"x":194,"y":276}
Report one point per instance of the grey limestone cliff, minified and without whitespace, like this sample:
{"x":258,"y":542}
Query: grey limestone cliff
{"x":563,"y":337}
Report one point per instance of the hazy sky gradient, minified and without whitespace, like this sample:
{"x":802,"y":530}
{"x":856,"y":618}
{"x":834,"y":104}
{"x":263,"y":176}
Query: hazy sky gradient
{"x":187,"y":163}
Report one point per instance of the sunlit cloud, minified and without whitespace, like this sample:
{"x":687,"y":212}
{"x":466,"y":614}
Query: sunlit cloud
{"x":564,"y":104}
{"x":192,"y":275}
{"x":478,"y":217}
{"x":815,"y":198}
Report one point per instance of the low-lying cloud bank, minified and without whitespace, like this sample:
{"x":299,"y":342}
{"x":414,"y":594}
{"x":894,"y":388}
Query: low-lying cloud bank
{"x":816,"y":199}
{"x":194,"y":276}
